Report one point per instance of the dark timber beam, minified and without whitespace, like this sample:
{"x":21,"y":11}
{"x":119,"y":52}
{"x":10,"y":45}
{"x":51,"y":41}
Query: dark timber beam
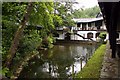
{"x":110,"y":15}
{"x":113,"y":27}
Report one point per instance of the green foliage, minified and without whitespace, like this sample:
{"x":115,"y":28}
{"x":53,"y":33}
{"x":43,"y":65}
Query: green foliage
{"x":50,"y":41}
{"x":4,"y":71}
{"x":42,"y":15}
{"x":64,"y":10}
{"x":13,"y":8}
{"x":86,"y":13}
{"x":103,"y":35}
{"x":10,"y":23}
{"x":93,"y":67}
{"x":29,"y":42}
{"x":57,"y":21}
{"x":12,"y":14}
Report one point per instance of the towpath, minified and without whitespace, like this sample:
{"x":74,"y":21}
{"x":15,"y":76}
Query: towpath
{"x":111,"y":66}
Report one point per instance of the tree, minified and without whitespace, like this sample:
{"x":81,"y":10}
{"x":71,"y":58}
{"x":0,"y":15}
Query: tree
{"x":103,"y":36}
{"x":21,"y":35}
{"x":86,"y":13}
{"x":64,"y":10}
{"x":17,"y":37}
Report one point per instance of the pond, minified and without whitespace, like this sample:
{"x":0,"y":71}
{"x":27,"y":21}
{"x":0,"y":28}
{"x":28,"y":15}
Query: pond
{"x":63,"y":61}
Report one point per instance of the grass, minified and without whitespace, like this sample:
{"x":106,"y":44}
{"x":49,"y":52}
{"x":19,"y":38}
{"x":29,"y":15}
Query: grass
{"x":93,"y":67}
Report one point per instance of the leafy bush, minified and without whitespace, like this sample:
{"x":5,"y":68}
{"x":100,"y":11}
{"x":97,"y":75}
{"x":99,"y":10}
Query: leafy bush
{"x":93,"y":67}
{"x":103,"y":35}
{"x":4,"y":71}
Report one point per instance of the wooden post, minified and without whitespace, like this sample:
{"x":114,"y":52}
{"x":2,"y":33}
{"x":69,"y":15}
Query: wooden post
{"x":86,"y":57}
{"x":86,"y":26}
{"x":50,"y":69}
{"x":113,"y":27}
{"x":81,"y":63}
{"x":73,"y":71}
{"x":80,"y":26}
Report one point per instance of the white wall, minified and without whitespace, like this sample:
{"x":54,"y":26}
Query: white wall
{"x":83,"y":33}
{"x":61,"y":36}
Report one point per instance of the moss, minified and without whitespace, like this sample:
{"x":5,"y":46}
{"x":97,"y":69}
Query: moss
{"x":93,"y":67}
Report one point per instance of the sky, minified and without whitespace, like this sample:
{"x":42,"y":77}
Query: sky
{"x":85,"y":4}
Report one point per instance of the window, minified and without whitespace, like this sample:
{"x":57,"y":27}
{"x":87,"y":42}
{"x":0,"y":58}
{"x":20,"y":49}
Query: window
{"x":97,"y":34}
{"x":90,"y":35}
{"x":84,"y":26}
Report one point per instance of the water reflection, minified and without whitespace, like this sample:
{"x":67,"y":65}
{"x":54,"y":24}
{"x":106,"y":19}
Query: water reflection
{"x":60,"y":62}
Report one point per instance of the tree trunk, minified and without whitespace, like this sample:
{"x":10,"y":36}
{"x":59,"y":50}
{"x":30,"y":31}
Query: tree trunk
{"x":18,"y":35}
{"x":20,"y":65}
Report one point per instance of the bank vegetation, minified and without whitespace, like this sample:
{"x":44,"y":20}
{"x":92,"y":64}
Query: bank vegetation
{"x":93,"y":67}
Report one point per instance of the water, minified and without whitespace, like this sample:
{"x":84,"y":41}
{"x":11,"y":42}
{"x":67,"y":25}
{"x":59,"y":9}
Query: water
{"x":60,"y":62}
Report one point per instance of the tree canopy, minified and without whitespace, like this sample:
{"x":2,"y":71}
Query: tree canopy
{"x":86,"y":13}
{"x":20,"y":31}
{"x":27,"y":27}
{"x":64,"y":10}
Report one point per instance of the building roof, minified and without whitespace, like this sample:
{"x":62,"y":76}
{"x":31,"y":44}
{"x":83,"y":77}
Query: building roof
{"x":85,"y":20}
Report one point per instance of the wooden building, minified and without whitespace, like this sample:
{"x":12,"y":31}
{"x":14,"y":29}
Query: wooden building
{"x":85,"y":29}
{"x":89,"y":27}
{"x":90,"y":24}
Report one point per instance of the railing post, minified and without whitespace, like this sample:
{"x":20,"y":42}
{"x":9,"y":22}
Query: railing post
{"x":89,"y":56}
{"x":86,"y":57}
{"x":73,"y":71}
{"x":81,"y":63}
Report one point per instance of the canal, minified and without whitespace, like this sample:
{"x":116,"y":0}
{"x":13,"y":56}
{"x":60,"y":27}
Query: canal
{"x":62,"y":61}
